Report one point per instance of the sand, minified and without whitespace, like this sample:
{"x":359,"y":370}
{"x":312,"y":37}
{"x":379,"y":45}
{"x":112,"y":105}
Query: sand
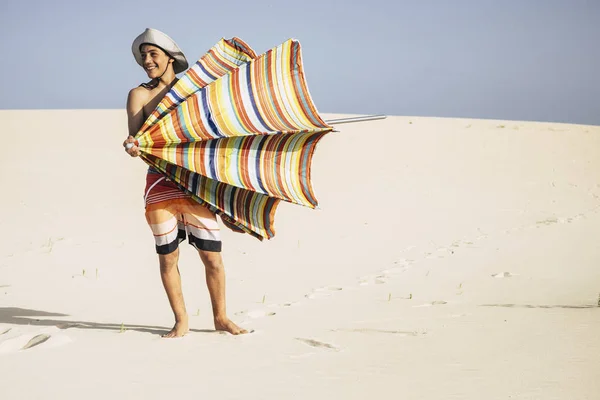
{"x":448,"y":259}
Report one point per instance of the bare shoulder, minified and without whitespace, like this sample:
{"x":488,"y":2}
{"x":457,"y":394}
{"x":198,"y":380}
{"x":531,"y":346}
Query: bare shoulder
{"x":139,"y":93}
{"x":137,"y":98}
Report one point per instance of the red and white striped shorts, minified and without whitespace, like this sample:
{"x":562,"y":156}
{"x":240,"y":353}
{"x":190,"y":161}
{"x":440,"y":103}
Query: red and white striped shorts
{"x":174,"y":215}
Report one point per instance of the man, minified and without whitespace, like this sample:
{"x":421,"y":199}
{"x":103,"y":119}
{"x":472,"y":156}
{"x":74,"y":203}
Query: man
{"x":170,"y":212}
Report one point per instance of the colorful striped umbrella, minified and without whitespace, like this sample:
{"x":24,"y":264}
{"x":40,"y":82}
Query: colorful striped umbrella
{"x":238,"y":133}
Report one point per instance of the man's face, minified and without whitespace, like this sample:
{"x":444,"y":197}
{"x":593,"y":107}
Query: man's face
{"x":155,"y":61}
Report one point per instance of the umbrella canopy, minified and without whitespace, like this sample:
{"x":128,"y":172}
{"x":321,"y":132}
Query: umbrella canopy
{"x":238,"y":133}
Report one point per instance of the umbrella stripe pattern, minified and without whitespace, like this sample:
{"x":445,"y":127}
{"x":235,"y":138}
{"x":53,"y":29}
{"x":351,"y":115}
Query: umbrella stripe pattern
{"x":243,"y":210}
{"x":223,"y":57}
{"x":242,"y":142}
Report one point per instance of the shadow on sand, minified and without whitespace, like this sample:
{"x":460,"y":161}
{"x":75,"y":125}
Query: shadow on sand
{"x":23,"y":316}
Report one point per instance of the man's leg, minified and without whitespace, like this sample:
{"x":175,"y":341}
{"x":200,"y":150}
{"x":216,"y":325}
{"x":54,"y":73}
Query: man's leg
{"x":162,"y":219}
{"x":215,"y":280}
{"x":171,"y":279}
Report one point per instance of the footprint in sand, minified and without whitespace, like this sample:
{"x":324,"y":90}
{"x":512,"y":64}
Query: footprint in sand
{"x":387,"y":331}
{"x":318,"y":344}
{"x":322,"y":292}
{"x":440,"y":252}
{"x":378,"y":280}
{"x":433,"y":303}
{"x":503,"y":275}
{"x":36,"y":340}
{"x":403,"y":263}
{"x":395,"y":270}
{"x":257,"y":313}
{"x":364,"y":281}
{"x":457,"y":315}
{"x":26,"y":341}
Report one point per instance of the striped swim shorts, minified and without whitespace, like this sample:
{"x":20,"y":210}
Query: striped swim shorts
{"x":172,"y":220}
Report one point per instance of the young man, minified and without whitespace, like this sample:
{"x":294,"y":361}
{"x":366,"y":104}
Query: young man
{"x":170,"y":212}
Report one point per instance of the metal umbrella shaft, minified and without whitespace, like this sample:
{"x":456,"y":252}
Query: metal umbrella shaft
{"x":354,"y":119}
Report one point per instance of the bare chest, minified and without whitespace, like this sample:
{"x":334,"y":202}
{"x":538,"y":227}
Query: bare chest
{"x":154,"y":98}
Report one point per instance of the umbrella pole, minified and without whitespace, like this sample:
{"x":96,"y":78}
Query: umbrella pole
{"x":354,"y":119}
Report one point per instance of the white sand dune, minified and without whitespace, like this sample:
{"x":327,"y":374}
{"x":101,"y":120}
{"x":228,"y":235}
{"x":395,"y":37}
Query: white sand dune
{"x":449,"y":259}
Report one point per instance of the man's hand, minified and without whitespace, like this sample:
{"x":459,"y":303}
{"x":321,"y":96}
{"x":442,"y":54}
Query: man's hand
{"x":133,"y":151}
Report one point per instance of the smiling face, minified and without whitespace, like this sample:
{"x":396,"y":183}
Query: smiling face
{"x":155,"y":60}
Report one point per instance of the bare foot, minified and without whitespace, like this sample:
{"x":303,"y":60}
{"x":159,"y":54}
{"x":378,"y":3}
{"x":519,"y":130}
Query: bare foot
{"x":227,"y":325}
{"x":180,"y":329}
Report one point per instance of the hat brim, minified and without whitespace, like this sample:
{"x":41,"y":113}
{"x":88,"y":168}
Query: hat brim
{"x":159,"y":39}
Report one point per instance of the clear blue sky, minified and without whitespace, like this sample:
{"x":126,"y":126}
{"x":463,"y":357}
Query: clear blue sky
{"x":503,"y":59}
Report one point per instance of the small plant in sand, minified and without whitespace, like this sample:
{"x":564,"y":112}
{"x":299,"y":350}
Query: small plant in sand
{"x":501,"y":126}
{"x":390,"y":297}
{"x":123,"y":329}
{"x":410,"y":296}
{"x":598,"y":300}
{"x":96,"y":273}
{"x":198,"y":313}
{"x":83,"y":272}
{"x":264,"y":298}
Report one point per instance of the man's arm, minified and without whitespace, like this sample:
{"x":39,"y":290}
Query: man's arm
{"x":135,"y":117}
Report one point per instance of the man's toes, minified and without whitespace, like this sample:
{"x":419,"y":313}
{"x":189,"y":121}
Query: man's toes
{"x":229,"y":327}
{"x":171,"y":334}
{"x":239,"y":331}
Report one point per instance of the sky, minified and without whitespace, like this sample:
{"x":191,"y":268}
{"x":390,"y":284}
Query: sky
{"x":531,"y":60}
